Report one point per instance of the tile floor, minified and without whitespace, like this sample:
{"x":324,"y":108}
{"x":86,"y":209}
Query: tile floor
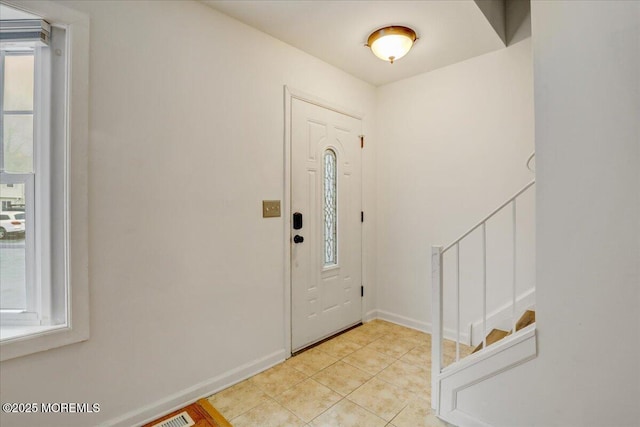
{"x":377,"y":374}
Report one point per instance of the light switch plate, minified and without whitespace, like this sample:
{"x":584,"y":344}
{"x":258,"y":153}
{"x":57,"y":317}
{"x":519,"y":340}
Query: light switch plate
{"x":270,"y":208}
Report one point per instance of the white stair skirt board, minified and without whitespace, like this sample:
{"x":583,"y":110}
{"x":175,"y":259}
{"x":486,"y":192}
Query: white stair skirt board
{"x":502,"y":317}
{"x":448,"y":334}
{"x":506,"y":354}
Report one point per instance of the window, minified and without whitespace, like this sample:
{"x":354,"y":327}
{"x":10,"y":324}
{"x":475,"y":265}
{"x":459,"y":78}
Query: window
{"x":19,"y":291}
{"x":37,"y":142}
{"x":330,"y":209}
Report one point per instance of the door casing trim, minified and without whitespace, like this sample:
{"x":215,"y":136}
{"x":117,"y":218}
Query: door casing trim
{"x":289,"y":95}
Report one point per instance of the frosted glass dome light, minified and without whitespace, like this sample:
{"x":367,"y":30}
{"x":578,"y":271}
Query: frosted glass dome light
{"x":391,"y":43}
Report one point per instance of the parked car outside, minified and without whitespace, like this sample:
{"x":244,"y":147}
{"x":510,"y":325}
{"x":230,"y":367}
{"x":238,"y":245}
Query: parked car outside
{"x":11,"y":224}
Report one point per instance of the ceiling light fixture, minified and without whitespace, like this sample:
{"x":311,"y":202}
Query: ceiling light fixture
{"x":391,"y":43}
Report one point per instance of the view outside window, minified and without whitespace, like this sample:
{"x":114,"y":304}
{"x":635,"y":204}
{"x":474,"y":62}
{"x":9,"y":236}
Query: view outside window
{"x":12,"y":249}
{"x":16,"y":171}
{"x":17,"y":106}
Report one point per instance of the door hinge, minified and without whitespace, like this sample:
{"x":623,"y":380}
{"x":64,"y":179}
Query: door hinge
{"x":361,"y":141}
{"x":361,"y":216}
{"x":361,"y":291}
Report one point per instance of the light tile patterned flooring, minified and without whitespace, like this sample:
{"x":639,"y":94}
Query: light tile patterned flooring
{"x":377,"y":374}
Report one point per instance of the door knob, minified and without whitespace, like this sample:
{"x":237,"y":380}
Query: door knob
{"x":298,"y":239}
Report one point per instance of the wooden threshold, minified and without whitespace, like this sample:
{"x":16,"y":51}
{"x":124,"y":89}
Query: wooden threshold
{"x":201,"y":412}
{"x":315,"y":344}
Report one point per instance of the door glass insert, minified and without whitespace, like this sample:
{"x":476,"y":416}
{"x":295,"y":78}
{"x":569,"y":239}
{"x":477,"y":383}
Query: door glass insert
{"x":330,"y":209}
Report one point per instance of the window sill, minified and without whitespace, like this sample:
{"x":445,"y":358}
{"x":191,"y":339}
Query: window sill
{"x":9,"y":333}
{"x":39,"y":338}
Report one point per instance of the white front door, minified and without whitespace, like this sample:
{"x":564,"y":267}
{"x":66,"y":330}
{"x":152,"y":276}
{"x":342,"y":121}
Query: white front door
{"x":326,"y":225}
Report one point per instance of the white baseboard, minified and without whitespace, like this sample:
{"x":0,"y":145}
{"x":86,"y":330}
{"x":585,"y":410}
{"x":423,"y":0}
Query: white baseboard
{"x":419,"y":325}
{"x":501,"y":318}
{"x":369,"y":316}
{"x":189,"y":395}
{"x":404,"y":321}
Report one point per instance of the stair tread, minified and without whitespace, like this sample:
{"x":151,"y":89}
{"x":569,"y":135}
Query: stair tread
{"x":494,"y":336}
{"x":528,"y":318}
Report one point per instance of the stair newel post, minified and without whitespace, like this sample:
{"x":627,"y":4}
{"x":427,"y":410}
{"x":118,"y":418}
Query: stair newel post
{"x":484,"y":284}
{"x":437,"y":284}
{"x":457,"y":302}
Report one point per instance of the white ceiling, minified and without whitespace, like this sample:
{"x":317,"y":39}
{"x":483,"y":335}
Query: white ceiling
{"x":450,"y":31}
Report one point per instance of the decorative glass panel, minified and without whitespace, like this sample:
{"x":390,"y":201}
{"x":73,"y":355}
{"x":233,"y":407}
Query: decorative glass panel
{"x":330,"y":208}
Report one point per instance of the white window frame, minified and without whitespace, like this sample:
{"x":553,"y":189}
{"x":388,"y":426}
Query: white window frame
{"x":36,"y":301}
{"x":73,"y":217}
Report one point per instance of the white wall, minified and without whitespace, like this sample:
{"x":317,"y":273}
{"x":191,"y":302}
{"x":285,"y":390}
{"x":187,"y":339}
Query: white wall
{"x":186,"y":277}
{"x":587,"y":97}
{"x":180,"y":117}
{"x":453,"y":146}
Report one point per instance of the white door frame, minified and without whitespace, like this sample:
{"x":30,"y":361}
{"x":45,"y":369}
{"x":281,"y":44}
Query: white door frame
{"x":289,"y":95}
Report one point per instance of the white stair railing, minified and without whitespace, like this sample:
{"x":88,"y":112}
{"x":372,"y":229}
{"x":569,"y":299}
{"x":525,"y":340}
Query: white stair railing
{"x":437,"y":288}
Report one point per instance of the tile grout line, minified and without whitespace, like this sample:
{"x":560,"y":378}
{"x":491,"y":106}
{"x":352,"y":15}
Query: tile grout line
{"x":346,"y":397}
{"x":365,"y":338}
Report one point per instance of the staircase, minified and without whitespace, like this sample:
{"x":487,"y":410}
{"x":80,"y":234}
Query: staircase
{"x":501,"y":339}
{"x":528,"y":318}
